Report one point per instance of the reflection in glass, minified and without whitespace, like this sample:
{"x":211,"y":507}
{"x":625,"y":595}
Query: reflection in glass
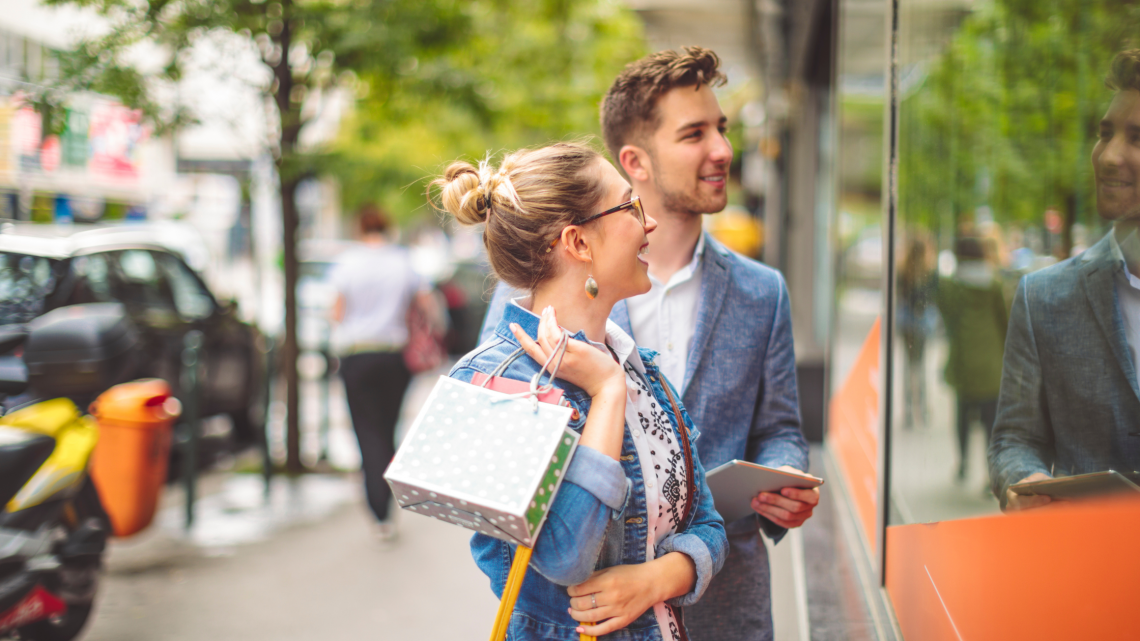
{"x":1003,"y":222}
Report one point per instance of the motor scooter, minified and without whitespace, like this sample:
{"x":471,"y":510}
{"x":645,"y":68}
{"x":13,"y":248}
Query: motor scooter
{"x":53,"y":528}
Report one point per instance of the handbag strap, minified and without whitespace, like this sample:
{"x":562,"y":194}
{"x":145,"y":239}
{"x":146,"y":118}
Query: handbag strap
{"x":684,"y":432}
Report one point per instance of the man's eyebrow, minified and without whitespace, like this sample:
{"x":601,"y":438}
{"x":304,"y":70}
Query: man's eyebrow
{"x":696,"y":124}
{"x":1132,"y":128}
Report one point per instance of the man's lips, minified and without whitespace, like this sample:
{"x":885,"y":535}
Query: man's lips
{"x":1115,"y":184}
{"x":714,"y":179}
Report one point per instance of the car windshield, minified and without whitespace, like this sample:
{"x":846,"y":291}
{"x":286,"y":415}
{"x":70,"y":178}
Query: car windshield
{"x":25,"y":283}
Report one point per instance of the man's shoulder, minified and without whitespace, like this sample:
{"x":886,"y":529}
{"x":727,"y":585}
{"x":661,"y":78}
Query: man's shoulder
{"x":1061,"y":282}
{"x":748,"y":275}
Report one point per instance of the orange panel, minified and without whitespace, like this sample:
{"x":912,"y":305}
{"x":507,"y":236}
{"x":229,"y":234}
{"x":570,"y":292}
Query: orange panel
{"x":1060,"y":572}
{"x":853,"y":431}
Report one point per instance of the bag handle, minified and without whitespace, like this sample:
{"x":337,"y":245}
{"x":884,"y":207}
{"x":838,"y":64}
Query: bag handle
{"x":536,"y":389}
{"x":684,"y":432}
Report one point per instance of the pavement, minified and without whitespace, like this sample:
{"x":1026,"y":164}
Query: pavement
{"x":305,"y":565}
{"x":299,"y":562}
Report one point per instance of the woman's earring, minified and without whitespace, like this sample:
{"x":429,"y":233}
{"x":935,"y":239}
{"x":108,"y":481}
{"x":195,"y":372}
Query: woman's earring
{"x":591,"y":287}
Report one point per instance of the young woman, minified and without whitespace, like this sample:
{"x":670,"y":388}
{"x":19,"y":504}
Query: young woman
{"x":632,"y":535}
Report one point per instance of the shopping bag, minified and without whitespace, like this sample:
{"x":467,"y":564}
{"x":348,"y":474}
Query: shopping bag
{"x":488,"y":461}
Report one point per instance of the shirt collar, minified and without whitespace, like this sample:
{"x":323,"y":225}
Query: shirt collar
{"x":687,"y":271}
{"x":1132,"y":241}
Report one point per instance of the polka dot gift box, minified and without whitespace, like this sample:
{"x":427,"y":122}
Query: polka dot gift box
{"x":484,"y":460}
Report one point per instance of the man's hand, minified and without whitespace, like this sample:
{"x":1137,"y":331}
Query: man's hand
{"x":790,"y":507}
{"x":1015,"y":502}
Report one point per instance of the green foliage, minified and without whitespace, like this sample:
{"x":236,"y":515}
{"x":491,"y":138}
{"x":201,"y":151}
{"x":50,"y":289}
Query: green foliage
{"x":1006,"y":116}
{"x":525,"y":73}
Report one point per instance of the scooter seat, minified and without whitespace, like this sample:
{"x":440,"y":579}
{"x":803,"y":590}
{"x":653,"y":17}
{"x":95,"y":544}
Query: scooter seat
{"x":21,"y":454}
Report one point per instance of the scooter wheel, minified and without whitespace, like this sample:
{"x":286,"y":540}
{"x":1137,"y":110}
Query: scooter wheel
{"x":65,"y":628}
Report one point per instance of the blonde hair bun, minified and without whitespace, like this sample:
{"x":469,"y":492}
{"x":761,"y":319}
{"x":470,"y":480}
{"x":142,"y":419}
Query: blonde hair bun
{"x":461,"y":193}
{"x":526,"y":203}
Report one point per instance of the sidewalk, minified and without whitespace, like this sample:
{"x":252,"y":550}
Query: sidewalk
{"x":303,"y":566}
{"x":315,"y":572}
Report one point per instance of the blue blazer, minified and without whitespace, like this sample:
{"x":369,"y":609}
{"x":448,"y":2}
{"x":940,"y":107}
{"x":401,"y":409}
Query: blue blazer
{"x":740,"y":381}
{"x":1069,"y":401}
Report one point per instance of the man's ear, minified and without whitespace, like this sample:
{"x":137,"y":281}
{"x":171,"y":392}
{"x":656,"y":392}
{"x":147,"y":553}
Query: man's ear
{"x":574,"y":243}
{"x":635,"y":162}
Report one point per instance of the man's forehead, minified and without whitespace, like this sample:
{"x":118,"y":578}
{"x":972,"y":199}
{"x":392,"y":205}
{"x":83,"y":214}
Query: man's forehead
{"x":1124,"y":108}
{"x":681,"y":106}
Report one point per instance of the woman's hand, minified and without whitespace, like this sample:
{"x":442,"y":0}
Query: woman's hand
{"x":583,"y":365}
{"x":624,"y":592}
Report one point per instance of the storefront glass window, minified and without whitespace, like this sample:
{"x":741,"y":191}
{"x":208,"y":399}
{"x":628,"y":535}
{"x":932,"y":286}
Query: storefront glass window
{"x":1013,"y":156}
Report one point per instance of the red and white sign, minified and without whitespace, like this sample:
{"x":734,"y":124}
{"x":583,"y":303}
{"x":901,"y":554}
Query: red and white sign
{"x":115,"y":135}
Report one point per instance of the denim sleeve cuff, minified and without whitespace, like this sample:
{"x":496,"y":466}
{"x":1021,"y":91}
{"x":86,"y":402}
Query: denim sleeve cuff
{"x":692,"y":546}
{"x":601,"y":476}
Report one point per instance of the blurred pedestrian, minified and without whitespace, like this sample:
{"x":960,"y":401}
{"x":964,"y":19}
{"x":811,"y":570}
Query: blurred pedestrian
{"x":976,"y":317}
{"x":375,"y":286}
{"x":916,"y":319}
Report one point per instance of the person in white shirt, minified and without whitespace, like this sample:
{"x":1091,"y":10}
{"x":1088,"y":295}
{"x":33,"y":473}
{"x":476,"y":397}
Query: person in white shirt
{"x":375,"y":285}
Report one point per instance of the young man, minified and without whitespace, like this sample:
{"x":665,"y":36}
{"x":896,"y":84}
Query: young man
{"x":1069,"y":401}
{"x":721,"y":323}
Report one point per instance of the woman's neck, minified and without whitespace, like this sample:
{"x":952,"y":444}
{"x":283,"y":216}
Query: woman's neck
{"x":574,"y":310}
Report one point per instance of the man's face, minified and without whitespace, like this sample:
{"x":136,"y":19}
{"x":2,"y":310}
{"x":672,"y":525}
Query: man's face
{"x":1116,"y":159}
{"x":689,"y":152}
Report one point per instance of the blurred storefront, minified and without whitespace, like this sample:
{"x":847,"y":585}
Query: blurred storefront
{"x":911,"y":162}
{"x":94,"y":161}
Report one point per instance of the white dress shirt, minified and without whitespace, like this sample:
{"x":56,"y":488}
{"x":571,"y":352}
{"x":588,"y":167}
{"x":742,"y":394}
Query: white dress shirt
{"x":664,"y":318}
{"x":659,"y":455}
{"x":1128,"y":294}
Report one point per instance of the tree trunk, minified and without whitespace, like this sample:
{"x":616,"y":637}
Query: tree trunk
{"x":289,"y":226}
{"x":287,"y":173}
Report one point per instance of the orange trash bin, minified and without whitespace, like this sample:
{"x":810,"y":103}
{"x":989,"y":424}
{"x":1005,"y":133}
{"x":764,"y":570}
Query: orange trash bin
{"x":128,"y":465}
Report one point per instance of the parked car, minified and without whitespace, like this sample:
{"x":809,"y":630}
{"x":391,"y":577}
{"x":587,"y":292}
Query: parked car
{"x":43,"y":267}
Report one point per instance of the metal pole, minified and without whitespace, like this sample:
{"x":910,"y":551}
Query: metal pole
{"x":266,"y":454}
{"x":191,"y":346}
{"x":326,"y":380}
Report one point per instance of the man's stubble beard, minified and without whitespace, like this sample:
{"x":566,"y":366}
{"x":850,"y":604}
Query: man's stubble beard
{"x":683,"y":202}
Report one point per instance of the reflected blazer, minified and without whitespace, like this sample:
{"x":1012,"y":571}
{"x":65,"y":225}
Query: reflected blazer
{"x":740,"y":380}
{"x":1069,"y":402}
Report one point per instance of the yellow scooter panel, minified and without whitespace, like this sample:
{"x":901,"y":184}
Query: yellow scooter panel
{"x":75,"y":438}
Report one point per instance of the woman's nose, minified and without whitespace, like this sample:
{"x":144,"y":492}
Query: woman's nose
{"x":650,"y":223}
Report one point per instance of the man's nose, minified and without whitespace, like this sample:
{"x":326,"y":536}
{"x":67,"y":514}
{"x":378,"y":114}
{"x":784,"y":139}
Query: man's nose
{"x":1113,"y":153}
{"x":722,"y":150}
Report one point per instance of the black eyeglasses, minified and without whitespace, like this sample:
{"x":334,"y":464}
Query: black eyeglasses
{"x":633,"y":203}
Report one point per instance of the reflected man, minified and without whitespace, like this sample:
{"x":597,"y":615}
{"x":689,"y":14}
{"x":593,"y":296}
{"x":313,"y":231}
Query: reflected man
{"x":1069,"y":400}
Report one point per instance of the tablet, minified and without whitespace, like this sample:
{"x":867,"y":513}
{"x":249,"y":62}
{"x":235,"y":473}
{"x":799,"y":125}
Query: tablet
{"x":1082,"y":486}
{"x":736,"y":483}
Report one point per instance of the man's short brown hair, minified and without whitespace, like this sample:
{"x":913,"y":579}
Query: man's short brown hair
{"x":371,"y":219}
{"x":1124,"y":73}
{"x":629,"y":110}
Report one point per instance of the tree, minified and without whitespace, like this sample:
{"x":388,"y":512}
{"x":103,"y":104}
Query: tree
{"x":526,"y":73}
{"x":1006,"y":115}
{"x":308,"y":47}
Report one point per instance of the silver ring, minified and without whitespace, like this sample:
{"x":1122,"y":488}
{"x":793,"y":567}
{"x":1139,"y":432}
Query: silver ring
{"x":593,"y":601}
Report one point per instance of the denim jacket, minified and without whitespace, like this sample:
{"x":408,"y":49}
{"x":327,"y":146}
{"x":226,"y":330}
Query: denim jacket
{"x":598,"y":519}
